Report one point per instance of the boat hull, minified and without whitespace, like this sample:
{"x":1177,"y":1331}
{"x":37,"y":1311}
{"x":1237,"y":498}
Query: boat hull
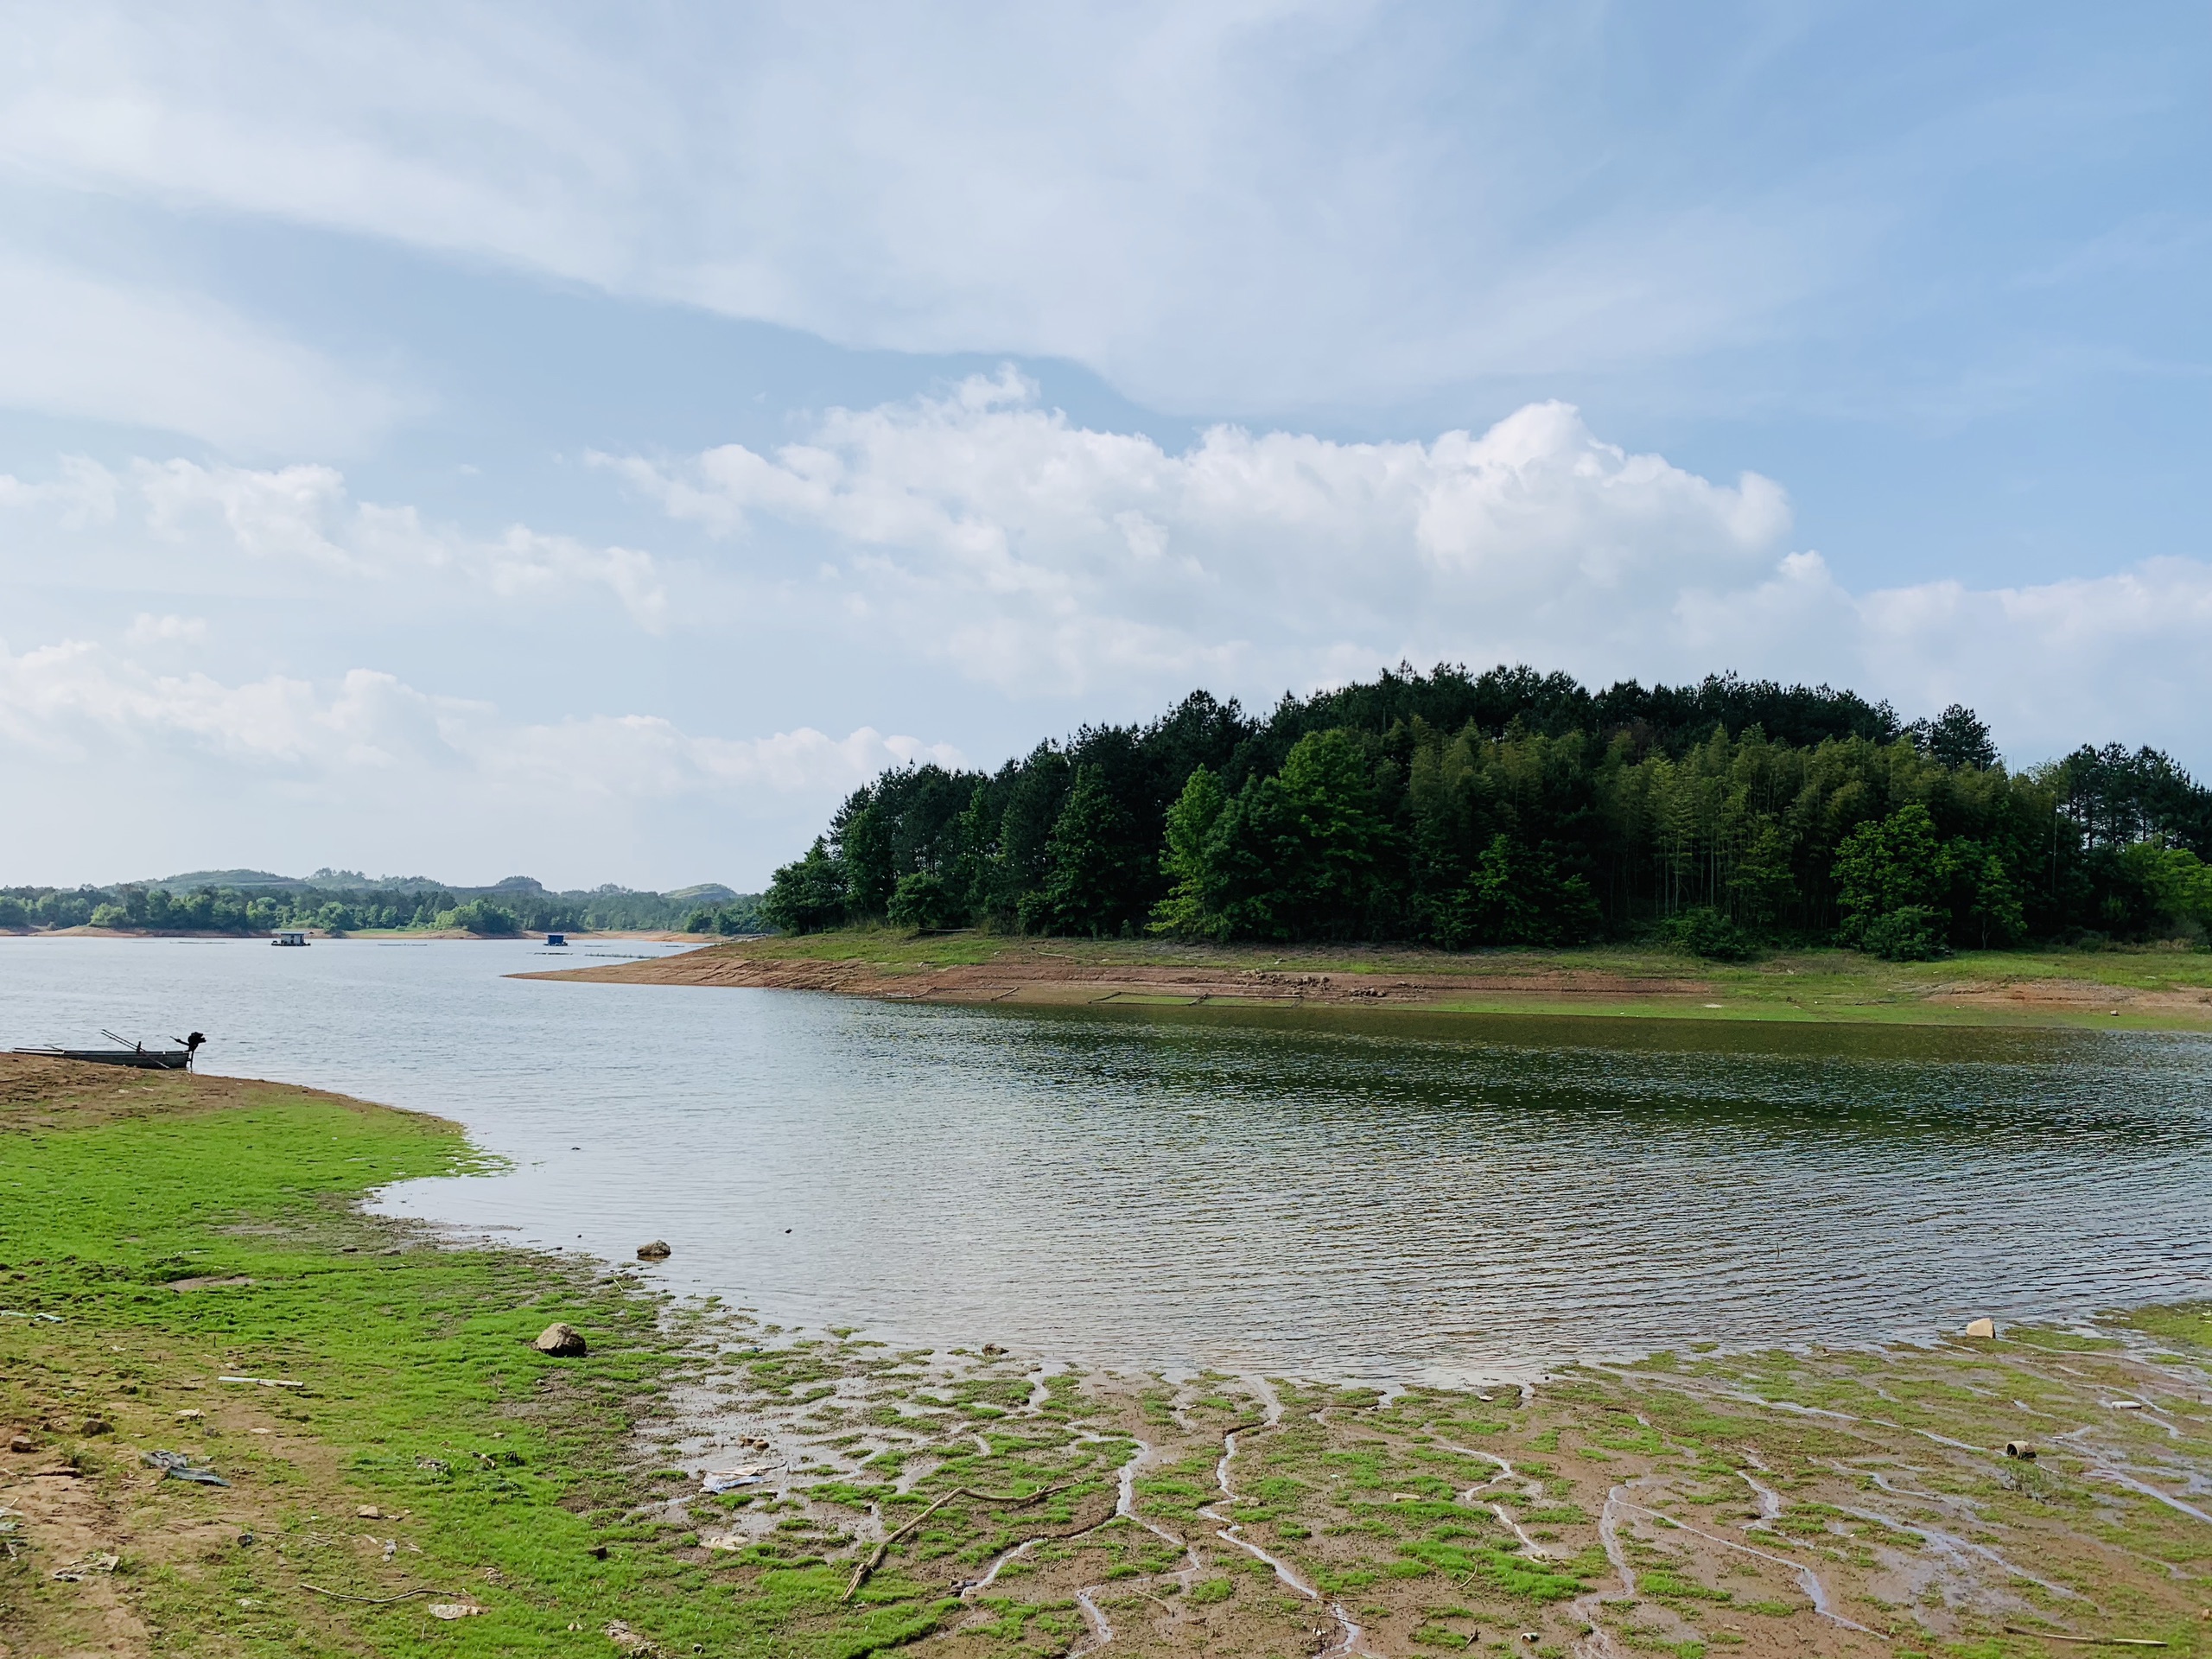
{"x":141,"y":1059}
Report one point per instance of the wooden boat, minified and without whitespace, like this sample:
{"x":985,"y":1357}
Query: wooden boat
{"x":136,"y":1055}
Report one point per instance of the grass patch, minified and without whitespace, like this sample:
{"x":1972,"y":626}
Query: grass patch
{"x":500,"y":1477}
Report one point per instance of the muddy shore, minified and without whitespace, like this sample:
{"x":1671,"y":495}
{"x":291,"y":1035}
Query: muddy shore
{"x":398,"y":1470}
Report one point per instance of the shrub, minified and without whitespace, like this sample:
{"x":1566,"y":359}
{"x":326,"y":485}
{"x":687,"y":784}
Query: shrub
{"x":1909,"y":933}
{"x":1704,"y":932}
{"x":922,"y":901}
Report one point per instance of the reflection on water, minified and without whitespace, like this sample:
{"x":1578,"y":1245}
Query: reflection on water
{"x":1379,"y":1194}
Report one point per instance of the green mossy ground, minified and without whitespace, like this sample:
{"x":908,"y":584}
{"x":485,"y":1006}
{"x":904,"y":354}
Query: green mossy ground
{"x":516,"y":1474}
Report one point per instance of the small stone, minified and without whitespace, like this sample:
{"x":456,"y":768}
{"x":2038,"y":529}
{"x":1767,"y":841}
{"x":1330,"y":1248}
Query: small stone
{"x":562,"y":1341}
{"x":453,"y":1609}
{"x":23,"y":1443}
{"x":656,"y":1251}
{"x":97,"y":1426}
{"x":370,"y":1512}
{"x":190,"y":1415}
{"x":1984,"y":1328}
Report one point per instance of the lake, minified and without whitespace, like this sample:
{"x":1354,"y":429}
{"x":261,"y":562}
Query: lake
{"x":1354,"y":1196}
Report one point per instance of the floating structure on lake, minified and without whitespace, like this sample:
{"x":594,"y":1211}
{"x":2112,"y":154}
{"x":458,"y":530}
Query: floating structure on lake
{"x":290,"y":938}
{"x":557,"y":939}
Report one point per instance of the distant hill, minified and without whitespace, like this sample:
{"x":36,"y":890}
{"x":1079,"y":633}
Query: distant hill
{"x":244,"y":900}
{"x":706,"y":892}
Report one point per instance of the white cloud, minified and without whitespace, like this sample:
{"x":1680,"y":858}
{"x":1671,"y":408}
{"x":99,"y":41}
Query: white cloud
{"x":280,"y":769}
{"x":303,"y":516}
{"x":1232,"y":206}
{"x":1030,"y":551}
{"x":80,"y":345}
{"x":997,"y":536}
{"x":146,"y":629}
{"x":79,"y":699}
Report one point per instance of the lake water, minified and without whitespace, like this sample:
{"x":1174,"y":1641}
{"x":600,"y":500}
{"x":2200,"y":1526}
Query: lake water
{"x":1381,"y":1195}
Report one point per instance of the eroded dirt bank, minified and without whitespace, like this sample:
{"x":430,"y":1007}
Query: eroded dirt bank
{"x":1030,"y":973}
{"x":2169,"y":989}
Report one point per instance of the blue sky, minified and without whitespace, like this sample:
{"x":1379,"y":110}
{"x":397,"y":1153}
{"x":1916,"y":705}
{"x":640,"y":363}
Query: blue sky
{"x":509,"y":439}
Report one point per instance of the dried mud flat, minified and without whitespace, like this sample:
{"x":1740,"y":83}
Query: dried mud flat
{"x":1790,"y":1503}
{"x":1035,"y":975}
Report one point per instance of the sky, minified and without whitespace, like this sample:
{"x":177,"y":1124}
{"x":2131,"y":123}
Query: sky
{"x":587,"y":442}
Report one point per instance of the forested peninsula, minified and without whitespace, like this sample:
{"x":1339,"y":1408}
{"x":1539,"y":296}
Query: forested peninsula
{"x":1517,"y":808}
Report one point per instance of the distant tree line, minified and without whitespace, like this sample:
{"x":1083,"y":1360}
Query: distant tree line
{"x":1518,"y":808}
{"x":513,"y":907}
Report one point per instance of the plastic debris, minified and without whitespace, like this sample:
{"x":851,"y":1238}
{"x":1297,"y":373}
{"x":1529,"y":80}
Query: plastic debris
{"x":1985,"y":1328}
{"x":453,"y":1610}
{"x":265,"y":1382}
{"x":176,"y":1466}
{"x":2019,"y":1449}
{"x":90,"y":1567}
{"x":12,"y":1313}
{"x":728,"y":1541}
{"x":729,"y":1480}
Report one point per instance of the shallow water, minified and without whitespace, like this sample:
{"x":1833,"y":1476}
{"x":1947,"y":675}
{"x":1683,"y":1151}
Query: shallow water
{"x":1346,"y":1195}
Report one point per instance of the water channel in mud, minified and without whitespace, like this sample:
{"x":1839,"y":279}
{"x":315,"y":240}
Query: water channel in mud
{"x":1377,"y":1195}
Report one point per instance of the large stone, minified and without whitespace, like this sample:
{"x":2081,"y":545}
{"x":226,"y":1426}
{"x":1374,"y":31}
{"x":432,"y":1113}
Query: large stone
{"x":1984,"y":1328}
{"x":656,"y":1251}
{"x":562,"y":1341}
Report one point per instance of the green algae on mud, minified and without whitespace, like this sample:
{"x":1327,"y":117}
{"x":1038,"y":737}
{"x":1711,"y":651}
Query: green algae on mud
{"x":161,"y":1233}
{"x":179,"y":1230}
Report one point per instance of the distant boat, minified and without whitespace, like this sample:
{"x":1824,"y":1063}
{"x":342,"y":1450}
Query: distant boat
{"x":290,"y":938}
{"x":556,"y":939}
{"x":129,"y":1054}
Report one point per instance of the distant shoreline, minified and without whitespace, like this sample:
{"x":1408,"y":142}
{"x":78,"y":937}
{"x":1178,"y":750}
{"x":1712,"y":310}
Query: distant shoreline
{"x":316,"y":934}
{"x":2142,"y":989}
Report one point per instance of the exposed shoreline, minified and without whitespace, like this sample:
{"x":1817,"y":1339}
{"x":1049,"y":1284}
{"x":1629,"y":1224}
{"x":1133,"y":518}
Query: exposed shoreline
{"x":2171,"y":991}
{"x":1809,"y":1501}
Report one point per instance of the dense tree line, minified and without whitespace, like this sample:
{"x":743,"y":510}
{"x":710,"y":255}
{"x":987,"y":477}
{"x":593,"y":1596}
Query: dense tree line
{"x":1518,"y":808}
{"x":512,"y":907}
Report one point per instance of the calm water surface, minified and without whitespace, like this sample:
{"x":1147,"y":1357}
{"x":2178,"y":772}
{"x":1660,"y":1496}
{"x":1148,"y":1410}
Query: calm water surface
{"x":1384,"y":1195}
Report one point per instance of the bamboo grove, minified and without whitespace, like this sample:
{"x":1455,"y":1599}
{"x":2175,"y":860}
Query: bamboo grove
{"x":1517,"y":808}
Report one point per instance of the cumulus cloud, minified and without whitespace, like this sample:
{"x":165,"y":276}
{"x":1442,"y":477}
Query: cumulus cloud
{"x":1001,"y":538}
{"x":303,"y":516}
{"x":1028,"y":550}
